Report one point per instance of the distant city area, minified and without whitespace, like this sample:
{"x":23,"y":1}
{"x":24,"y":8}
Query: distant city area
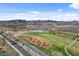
{"x":71,"y":26}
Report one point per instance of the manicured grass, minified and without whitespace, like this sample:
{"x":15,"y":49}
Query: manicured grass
{"x":58,"y":43}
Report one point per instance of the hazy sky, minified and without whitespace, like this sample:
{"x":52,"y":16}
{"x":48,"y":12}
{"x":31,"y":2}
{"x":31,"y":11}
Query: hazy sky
{"x":41,"y":11}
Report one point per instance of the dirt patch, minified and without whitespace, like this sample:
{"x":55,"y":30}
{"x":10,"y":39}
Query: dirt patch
{"x":39,"y":41}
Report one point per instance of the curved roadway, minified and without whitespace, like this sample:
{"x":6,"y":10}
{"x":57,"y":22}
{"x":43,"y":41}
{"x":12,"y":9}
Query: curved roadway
{"x":69,"y":46}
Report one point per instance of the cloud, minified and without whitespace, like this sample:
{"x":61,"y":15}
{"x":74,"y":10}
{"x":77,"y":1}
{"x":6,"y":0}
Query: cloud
{"x":37,"y":15}
{"x":59,"y":16}
{"x":60,"y":10}
{"x":20,"y":14}
{"x":34,"y":12}
{"x":71,"y":15}
{"x":66,"y":17}
{"x":74,"y":5}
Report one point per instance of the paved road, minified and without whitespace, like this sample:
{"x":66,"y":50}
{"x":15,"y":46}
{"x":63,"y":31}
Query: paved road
{"x":17,"y":48}
{"x":30,"y":50}
{"x":69,"y":46}
{"x":12,"y":46}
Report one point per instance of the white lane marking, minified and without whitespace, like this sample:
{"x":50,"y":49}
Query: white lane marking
{"x":28,"y":47}
{"x":14,"y":48}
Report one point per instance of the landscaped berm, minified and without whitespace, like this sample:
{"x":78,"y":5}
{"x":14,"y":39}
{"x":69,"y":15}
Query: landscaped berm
{"x":39,"y":41}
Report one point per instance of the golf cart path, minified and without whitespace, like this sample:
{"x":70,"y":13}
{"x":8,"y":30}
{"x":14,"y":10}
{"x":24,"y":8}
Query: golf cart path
{"x":69,"y":46}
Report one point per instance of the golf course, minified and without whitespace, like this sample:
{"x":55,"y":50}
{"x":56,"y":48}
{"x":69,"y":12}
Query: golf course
{"x":58,"y":44}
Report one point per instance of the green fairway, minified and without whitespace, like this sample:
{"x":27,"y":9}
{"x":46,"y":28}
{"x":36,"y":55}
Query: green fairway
{"x":58,"y":43}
